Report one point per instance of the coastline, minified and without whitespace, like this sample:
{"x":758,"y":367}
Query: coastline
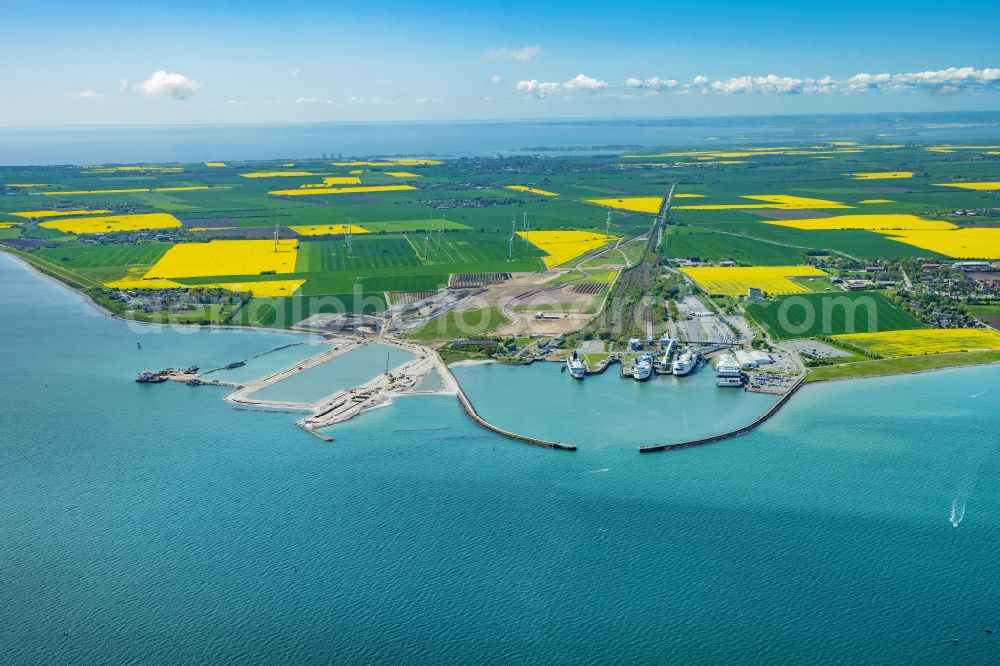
{"x":384,"y":396}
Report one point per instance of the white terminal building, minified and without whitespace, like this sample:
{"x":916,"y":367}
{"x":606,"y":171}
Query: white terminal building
{"x":749,"y":360}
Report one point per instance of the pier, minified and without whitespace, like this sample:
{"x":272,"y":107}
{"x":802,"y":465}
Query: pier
{"x":772,"y":410}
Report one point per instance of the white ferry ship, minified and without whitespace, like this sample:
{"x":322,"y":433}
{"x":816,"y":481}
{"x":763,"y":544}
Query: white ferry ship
{"x":685,"y":363}
{"x":642,"y":367}
{"x":576,"y":365}
{"x":728,"y":371}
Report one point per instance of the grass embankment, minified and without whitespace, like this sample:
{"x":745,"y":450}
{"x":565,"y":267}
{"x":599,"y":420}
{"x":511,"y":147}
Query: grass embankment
{"x":55,"y":270}
{"x":461,"y":324}
{"x":902,"y":365}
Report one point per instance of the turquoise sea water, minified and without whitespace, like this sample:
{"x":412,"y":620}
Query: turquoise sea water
{"x":352,"y":368}
{"x":605,"y":410}
{"x":269,"y":362}
{"x":156,"y":524}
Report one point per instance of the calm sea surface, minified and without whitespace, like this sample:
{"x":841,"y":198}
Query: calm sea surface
{"x":156,"y":524}
{"x":197,"y":143}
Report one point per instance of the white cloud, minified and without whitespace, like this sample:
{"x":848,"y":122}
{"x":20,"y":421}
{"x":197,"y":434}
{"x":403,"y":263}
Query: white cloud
{"x":523,"y":53}
{"x":947,"y":81}
{"x":496,"y":79}
{"x":584,"y":82}
{"x":88,"y":95}
{"x":312,"y":100}
{"x":653,"y":84}
{"x":177,"y":86}
{"x":427,"y":100}
{"x":943,"y":81}
{"x":236,"y":102}
{"x":542,"y":89}
{"x":539,"y":89}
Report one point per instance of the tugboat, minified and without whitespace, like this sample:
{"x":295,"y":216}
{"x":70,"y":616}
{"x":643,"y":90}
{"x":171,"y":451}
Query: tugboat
{"x":576,"y":365}
{"x":642,"y":367}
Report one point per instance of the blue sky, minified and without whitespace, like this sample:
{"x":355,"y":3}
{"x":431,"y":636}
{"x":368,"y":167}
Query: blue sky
{"x":252,"y":61}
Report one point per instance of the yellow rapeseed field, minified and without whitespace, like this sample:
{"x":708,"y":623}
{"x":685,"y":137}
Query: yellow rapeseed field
{"x":924,"y":341}
{"x":342,"y":190}
{"x":876,"y":201}
{"x":988,"y":187}
{"x":277,"y":174}
{"x":356,"y":171}
{"x":57,"y":213}
{"x":403,"y":174}
{"x":28,"y":185}
{"x":634,"y":204}
{"x":779,"y":201}
{"x":881,"y":175}
{"x":533,"y":190}
{"x":262,"y":289}
{"x":330,"y":181}
{"x":9,"y":225}
{"x":215,"y":164}
{"x":226,"y":257}
{"x":978,"y":243}
{"x":868,"y":222}
{"x":112,"y":223}
{"x":562,"y":246}
{"x":328,"y":229}
{"x":152,"y":283}
{"x":736,"y":280}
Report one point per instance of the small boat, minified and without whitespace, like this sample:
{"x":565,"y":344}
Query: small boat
{"x":576,"y":365}
{"x":642,"y":367}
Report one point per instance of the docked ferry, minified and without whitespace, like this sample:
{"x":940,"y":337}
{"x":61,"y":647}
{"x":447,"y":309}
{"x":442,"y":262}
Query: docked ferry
{"x":642,"y":367}
{"x":576,"y":365}
{"x":685,"y":363}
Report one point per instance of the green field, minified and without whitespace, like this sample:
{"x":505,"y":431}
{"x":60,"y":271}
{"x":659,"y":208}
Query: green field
{"x":471,"y":214}
{"x":902,"y":365}
{"x":460,"y":324}
{"x":710,"y":244}
{"x":815,"y":314}
{"x":399,"y":226}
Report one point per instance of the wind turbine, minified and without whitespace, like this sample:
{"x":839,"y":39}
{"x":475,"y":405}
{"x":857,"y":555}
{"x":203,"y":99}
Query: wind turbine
{"x":510,"y":244}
